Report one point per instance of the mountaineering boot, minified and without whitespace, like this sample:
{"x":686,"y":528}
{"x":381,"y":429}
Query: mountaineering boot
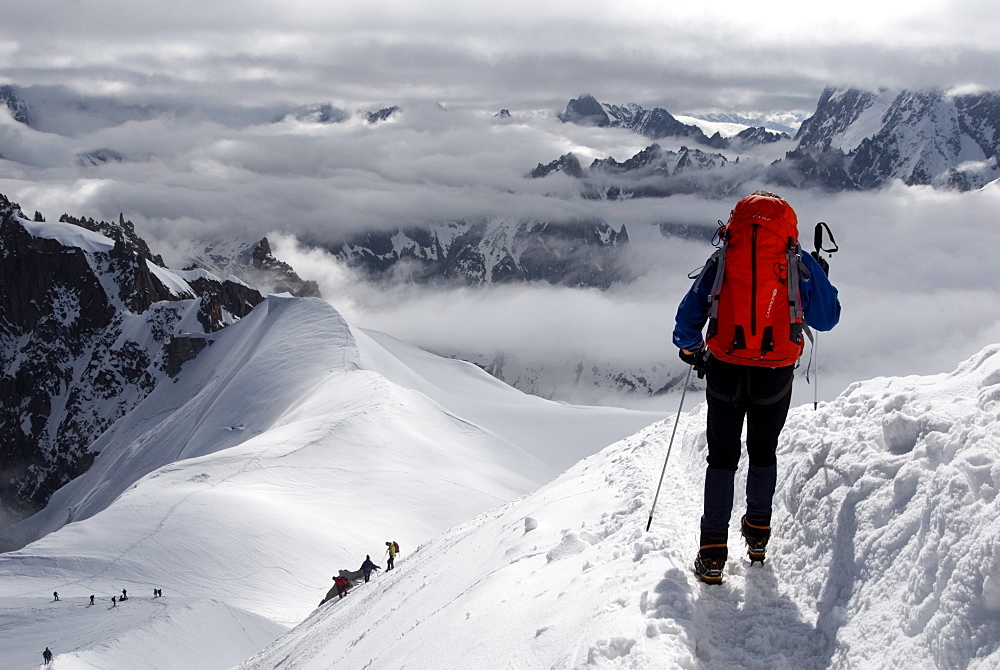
{"x":756,"y":531}
{"x":711,"y":559}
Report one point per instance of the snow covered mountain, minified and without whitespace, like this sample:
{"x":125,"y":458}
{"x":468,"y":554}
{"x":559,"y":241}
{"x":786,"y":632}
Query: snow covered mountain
{"x":287,"y":450}
{"x":650,"y":173}
{"x":90,"y":323}
{"x":864,"y":139}
{"x":885,"y":555}
{"x":656,"y":123}
{"x":855,"y":140}
{"x":576,"y":380}
{"x":17,"y":107}
{"x":785,"y":123}
{"x":495,"y":249}
{"x":255,"y":264}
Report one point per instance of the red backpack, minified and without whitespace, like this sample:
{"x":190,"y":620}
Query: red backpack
{"x":755,"y":315}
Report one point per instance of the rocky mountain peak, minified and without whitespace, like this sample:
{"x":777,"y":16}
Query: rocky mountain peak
{"x":380,"y":115}
{"x":567,"y":163}
{"x":585,"y":111}
{"x":18,"y":108}
{"x":656,"y":123}
{"x":90,"y":323}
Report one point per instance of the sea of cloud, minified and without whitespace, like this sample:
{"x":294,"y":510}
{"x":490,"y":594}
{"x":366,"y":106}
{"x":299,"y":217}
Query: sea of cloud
{"x":913,"y":272}
{"x":913,"y":269}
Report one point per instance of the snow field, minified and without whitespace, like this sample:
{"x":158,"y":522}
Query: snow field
{"x":168,"y":633}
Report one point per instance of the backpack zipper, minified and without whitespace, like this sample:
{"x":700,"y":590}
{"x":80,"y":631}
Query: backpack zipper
{"x":753,"y":280}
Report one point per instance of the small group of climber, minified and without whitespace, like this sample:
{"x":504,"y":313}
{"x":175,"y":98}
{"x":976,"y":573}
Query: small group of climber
{"x":343,"y":580}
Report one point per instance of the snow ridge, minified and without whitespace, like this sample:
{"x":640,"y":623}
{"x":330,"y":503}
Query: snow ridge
{"x":885,"y":554}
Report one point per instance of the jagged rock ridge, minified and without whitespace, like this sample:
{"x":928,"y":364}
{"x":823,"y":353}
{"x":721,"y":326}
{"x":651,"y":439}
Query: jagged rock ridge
{"x":381,"y":115}
{"x":652,"y":172}
{"x":656,"y":123}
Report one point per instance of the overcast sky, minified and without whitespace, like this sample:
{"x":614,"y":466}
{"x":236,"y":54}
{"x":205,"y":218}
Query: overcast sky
{"x":188,"y":92}
{"x":695,"y":56}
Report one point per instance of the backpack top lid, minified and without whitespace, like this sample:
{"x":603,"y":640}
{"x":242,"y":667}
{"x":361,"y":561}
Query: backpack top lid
{"x":768,"y":210}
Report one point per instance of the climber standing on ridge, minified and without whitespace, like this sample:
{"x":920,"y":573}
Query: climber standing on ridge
{"x":393,"y":549}
{"x":757,"y":293}
{"x":367,"y":567}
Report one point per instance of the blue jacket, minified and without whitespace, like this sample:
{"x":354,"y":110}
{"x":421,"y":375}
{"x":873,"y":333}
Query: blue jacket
{"x":819,"y":304}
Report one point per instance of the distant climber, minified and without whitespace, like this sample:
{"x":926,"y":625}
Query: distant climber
{"x":55,"y":596}
{"x":91,"y":600}
{"x":114,"y":601}
{"x":342,"y":585}
{"x":368,"y":566}
{"x":393,"y":550}
{"x":47,"y":655}
{"x":124,"y":596}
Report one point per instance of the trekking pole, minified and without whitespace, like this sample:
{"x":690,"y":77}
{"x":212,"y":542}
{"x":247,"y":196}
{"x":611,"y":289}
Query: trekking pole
{"x":816,"y":361}
{"x":818,"y":245}
{"x":687,"y":379}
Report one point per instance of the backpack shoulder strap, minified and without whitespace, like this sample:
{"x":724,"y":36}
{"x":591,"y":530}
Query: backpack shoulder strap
{"x":720,"y":271}
{"x":711,"y":262}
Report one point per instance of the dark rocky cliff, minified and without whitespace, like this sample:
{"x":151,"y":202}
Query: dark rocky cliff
{"x":85,"y":335}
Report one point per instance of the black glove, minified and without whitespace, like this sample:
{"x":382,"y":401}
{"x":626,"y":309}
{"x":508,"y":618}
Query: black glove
{"x":822,"y":262}
{"x":696,"y":358}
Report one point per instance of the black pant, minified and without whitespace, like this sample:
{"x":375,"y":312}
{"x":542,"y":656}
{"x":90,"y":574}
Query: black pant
{"x":761,"y":397}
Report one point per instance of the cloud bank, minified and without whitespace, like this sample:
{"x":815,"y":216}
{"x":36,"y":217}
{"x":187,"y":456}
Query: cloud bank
{"x":194,"y":113}
{"x":912,"y":273}
{"x":686,"y":57}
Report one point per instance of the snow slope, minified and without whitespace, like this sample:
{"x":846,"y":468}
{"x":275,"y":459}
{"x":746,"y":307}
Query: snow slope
{"x":276,"y":458}
{"x":885,"y":554}
{"x":168,"y":633}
